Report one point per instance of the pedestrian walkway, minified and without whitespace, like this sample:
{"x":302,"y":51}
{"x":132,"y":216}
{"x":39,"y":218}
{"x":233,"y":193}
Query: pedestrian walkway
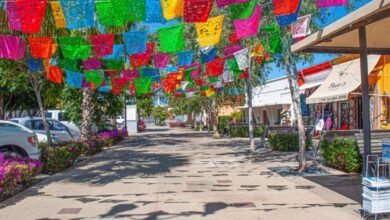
{"x":180,"y":174}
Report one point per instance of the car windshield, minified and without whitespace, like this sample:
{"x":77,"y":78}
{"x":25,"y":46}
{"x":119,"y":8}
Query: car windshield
{"x":8,"y":127}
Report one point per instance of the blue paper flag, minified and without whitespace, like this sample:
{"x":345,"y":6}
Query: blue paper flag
{"x":74,"y":79}
{"x":35,"y":65}
{"x":135,"y":41}
{"x":185,"y":58}
{"x":171,"y":69}
{"x":78,"y":13}
{"x":154,"y":12}
{"x":117,"y":52}
{"x":208,"y":56}
{"x":152,"y":72}
{"x":287,"y":19}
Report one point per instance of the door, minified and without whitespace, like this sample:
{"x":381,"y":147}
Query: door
{"x":60,"y":130}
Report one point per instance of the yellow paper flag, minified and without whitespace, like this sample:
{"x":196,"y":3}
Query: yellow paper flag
{"x":172,"y":8}
{"x":210,"y":92}
{"x":58,"y":14}
{"x":209,"y":33}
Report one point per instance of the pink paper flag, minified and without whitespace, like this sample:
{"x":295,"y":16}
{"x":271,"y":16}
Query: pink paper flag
{"x":160,"y":60}
{"x":300,"y":28}
{"x":330,"y":3}
{"x":12,"y":47}
{"x":223,"y":3}
{"x":229,"y":50}
{"x":14,"y":21}
{"x":130,"y":75}
{"x":250,"y":26}
{"x":195,"y":72}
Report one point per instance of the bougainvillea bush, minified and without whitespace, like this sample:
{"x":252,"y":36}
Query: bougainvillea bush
{"x":16,"y":174}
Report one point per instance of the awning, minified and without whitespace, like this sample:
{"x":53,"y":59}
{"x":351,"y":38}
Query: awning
{"x":315,"y":79}
{"x":271,"y":93}
{"x":342,"y":36}
{"x":343,"y":79}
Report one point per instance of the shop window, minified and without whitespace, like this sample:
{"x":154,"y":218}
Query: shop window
{"x":344,"y":116}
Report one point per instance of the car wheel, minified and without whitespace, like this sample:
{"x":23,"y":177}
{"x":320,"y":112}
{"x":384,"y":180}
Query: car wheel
{"x":11,"y":152}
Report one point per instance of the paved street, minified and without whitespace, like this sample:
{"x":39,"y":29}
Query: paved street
{"x":183,"y":174}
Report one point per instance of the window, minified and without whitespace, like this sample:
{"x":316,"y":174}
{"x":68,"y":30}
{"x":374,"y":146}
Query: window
{"x":6,"y":126}
{"x":49,"y":115}
{"x":62,"y":117}
{"x":56,"y":126}
{"x":36,"y":125}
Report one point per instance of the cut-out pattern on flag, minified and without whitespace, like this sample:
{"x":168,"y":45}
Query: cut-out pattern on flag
{"x":286,"y":11}
{"x":197,"y":10}
{"x":135,"y":41}
{"x":130,"y":10}
{"x":215,"y":67}
{"x":92,"y":64}
{"x":227,"y":75}
{"x":111,"y":64}
{"x":54,"y":75}
{"x":41,"y":47}
{"x":300,"y":28}
{"x":154,"y":13}
{"x":74,"y":79}
{"x":14,"y":22}
{"x":142,"y":85}
{"x":102,"y":44}
{"x":330,"y":3}
{"x":242,"y":10}
{"x":70,"y":64}
{"x":73,"y":48}
{"x":230,"y":50}
{"x":118,"y":84}
{"x":117,"y":52}
{"x":223,"y":3}
{"x":95,"y":77}
{"x":12,"y":47}
{"x":208,"y":55}
{"x":58,"y":14}
{"x":185,"y":58}
{"x":78,"y":13}
{"x":172,"y":8}
{"x":209,"y":33}
{"x":160,"y":60}
{"x":193,"y":71}
{"x":139,"y":59}
{"x":107,"y":15}
{"x":31,"y":14}
{"x":130,"y":74}
{"x":171,"y":38}
{"x":242,"y":58}
{"x":273,"y":44}
{"x":248,"y":27}
{"x":153,"y":73}
{"x":35,"y":65}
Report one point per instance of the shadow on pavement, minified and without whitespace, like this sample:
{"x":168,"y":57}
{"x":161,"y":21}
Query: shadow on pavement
{"x":346,"y":185}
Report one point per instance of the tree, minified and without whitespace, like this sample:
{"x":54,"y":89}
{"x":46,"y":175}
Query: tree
{"x":161,"y":114}
{"x":144,"y":106}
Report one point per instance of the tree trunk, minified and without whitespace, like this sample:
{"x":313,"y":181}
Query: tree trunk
{"x":37,"y":86}
{"x":248,"y":83}
{"x":87,"y":110}
{"x":201,"y":121}
{"x":214,"y":120}
{"x":293,"y":82}
{"x":2,"y":107}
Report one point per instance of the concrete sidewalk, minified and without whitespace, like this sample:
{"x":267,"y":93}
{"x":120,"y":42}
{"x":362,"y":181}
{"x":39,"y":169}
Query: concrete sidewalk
{"x":183,"y":174}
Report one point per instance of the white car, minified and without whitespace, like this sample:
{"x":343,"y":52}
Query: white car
{"x":60,"y":116}
{"x":58,"y":130}
{"x":16,"y":140}
{"x":120,"y":120}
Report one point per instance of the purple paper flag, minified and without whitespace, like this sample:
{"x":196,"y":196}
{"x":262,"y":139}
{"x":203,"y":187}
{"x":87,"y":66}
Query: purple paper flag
{"x":160,"y":60}
{"x":223,"y":3}
{"x":14,"y":21}
{"x":130,"y":74}
{"x":229,"y":50}
{"x":12,"y":47}
{"x":92,"y":64}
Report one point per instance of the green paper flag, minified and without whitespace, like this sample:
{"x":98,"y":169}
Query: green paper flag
{"x":142,"y":85}
{"x":70,"y":65}
{"x":213,"y":79}
{"x":188,"y":72}
{"x":242,"y":10}
{"x":111,"y":64}
{"x":232,"y":64}
{"x":171,"y":38}
{"x":273,"y":44}
{"x":94,"y":76}
{"x":204,"y":88}
{"x":73,"y":48}
{"x":130,"y":10}
{"x":107,"y":15}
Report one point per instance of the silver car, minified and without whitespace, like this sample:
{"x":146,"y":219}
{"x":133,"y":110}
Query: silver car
{"x":57,"y":129}
{"x":16,"y":140}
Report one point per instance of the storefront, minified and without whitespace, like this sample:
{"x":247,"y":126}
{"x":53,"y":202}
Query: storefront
{"x":338,"y":100}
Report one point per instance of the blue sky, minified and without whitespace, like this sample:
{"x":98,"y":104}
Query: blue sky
{"x":333,"y":14}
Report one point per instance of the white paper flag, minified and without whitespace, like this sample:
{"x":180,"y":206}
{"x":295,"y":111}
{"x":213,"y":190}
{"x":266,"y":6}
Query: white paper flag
{"x":227,"y":75}
{"x":300,"y":28}
{"x":242,"y":58}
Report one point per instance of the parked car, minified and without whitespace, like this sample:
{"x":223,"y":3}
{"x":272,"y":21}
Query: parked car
{"x":57,"y":129}
{"x":60,"y":116}
{"x":141,"y":125}
{"x":16,"y":140}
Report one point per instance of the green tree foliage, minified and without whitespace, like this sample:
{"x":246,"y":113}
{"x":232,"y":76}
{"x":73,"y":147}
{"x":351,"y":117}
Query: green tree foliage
{"x":145,"y":106}
{"x":161,"y":114}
